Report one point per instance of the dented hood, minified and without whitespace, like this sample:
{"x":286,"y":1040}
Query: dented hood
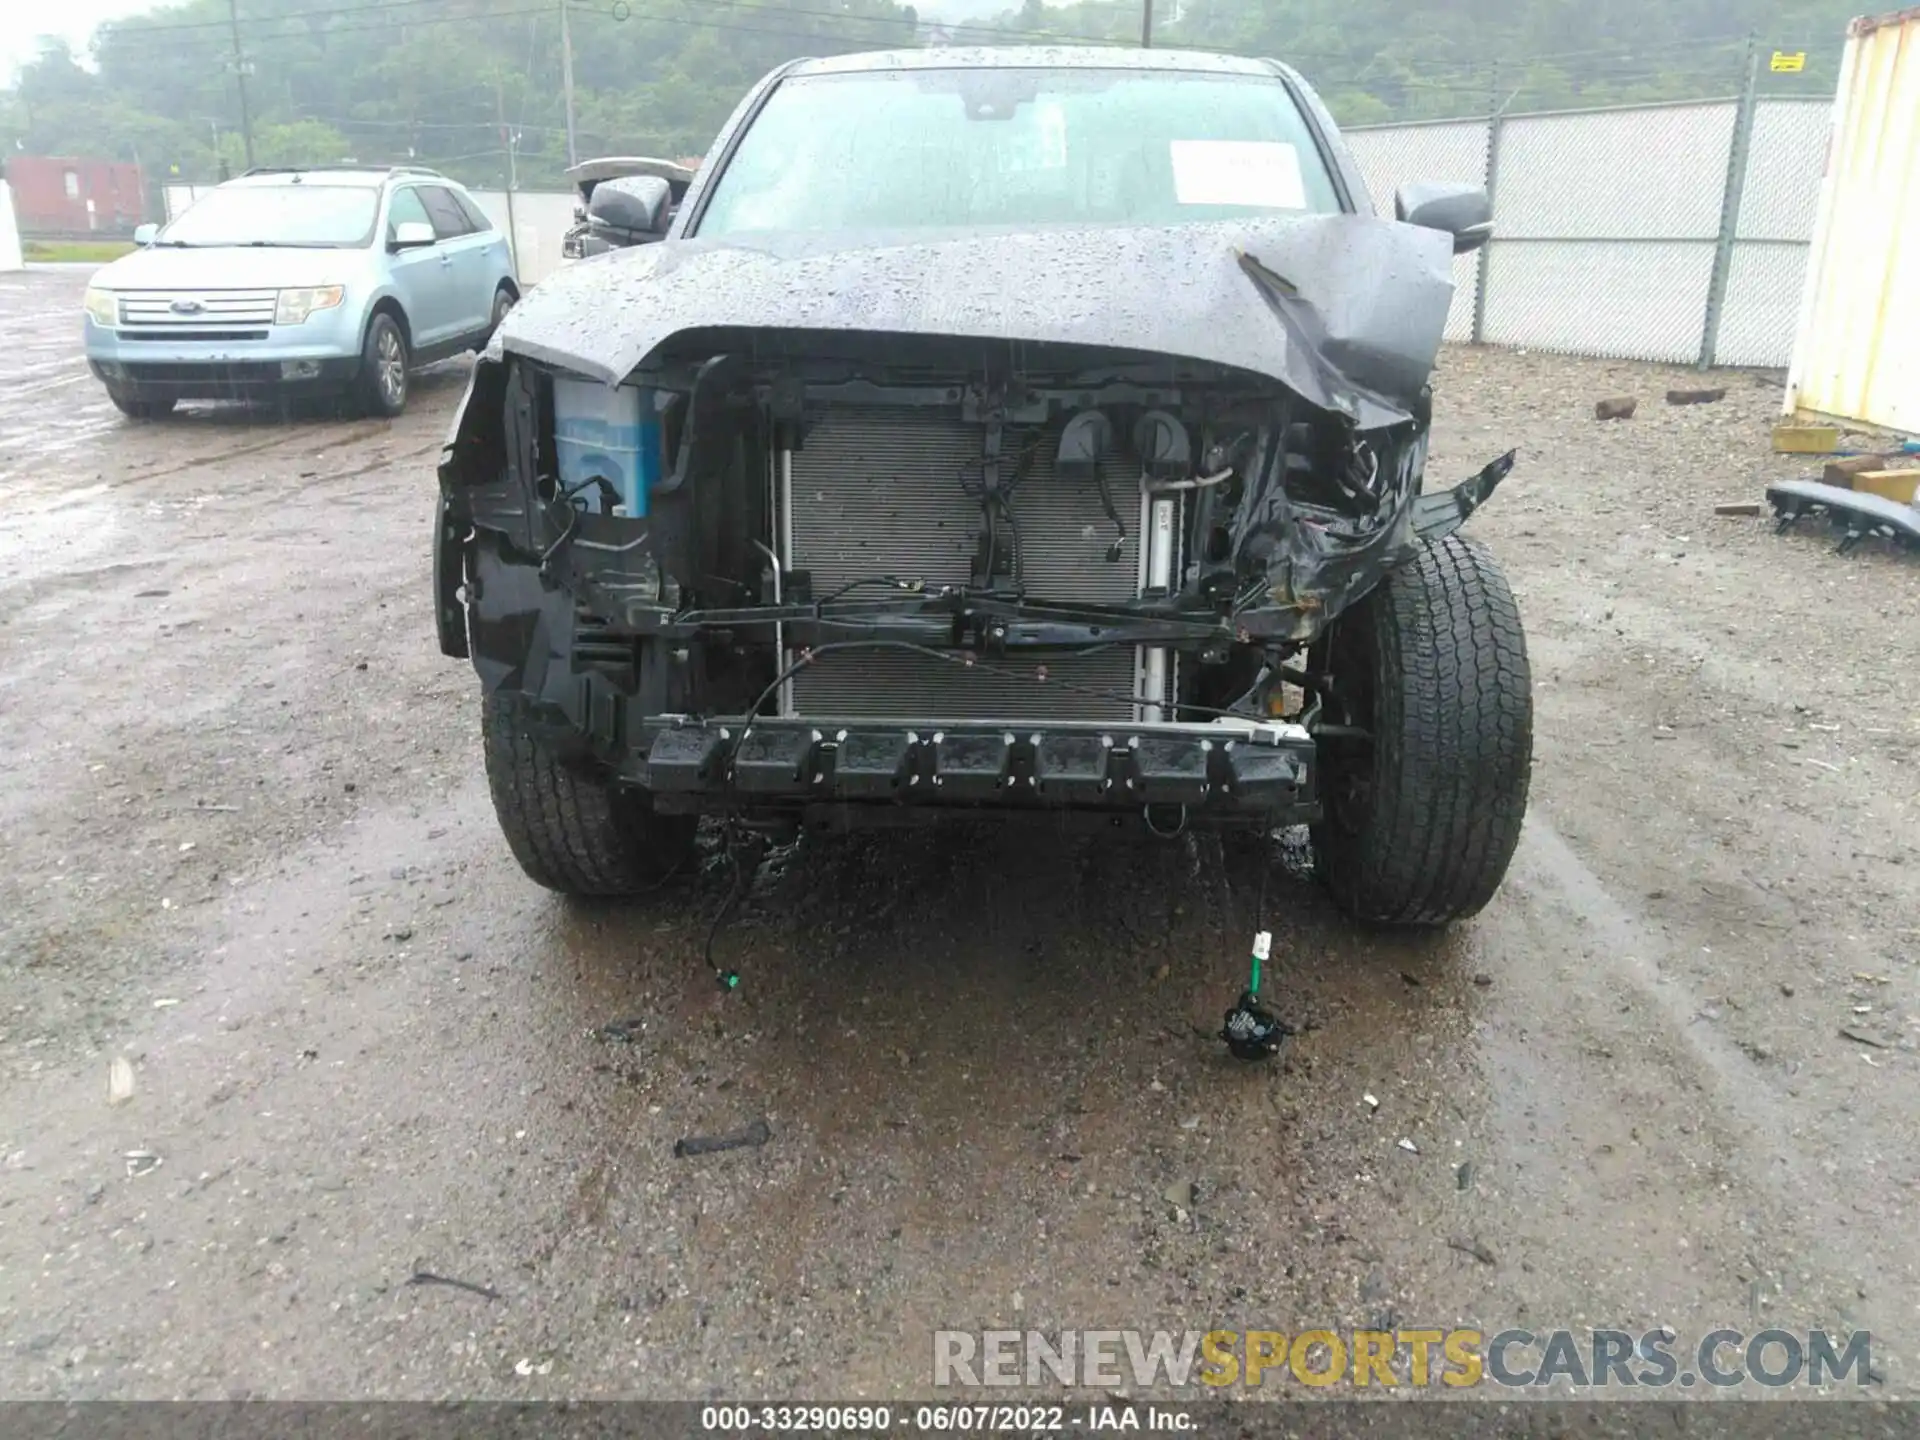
{"x":1345,"y":310}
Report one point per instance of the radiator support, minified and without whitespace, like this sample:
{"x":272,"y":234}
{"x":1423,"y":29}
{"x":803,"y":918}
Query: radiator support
{"x":882,"y":491}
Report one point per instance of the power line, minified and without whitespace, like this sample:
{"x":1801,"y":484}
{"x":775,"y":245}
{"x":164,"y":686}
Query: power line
{"x":348,"y":122}
{"x":1683,"y":61}
{"x":409,"y":22}
{"x":1692,"y":58}
{"x":996,"y":31}
{"x":134,"y":24}
{"x":321,"y":36}
{"x":1436,"y":74}
{"x":618,"y":12}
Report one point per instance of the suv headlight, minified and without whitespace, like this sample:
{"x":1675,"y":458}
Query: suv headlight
{"x":103,"y":306}
{"x":294,"y":306}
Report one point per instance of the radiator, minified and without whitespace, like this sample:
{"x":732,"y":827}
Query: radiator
{"x":879,"y":491}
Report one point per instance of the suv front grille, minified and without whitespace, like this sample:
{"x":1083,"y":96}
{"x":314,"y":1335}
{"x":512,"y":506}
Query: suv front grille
{"x":197,"y":309}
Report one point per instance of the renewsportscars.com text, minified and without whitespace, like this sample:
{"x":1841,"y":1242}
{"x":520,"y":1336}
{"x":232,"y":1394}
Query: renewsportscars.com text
{"x":1511,"y":1359}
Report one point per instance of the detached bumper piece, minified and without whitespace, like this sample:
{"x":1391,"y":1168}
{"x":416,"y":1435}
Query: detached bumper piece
{"x":1856,"y":514}
{"x":1232,"y":769}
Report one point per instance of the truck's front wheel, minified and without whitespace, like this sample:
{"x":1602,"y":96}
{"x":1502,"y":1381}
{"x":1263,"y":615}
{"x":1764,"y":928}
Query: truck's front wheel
{"x":571,"y":827}
{"x":1422,"y":820}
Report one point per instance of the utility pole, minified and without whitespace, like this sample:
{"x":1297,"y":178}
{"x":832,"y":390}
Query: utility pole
{"x":1146,"y":24}
{"x":240,"y":68}
{"x":566,"y":81}
{"x":511,"y":139}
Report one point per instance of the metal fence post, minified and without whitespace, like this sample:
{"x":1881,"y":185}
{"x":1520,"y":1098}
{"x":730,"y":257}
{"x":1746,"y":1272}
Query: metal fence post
{"x":1738,"y":152}
{"x":1496,"y":122}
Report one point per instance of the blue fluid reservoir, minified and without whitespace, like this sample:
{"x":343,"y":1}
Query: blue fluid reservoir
{"x":608,"y":432}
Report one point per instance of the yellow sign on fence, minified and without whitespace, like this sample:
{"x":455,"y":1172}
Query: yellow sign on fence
{"x":1785,"y":64}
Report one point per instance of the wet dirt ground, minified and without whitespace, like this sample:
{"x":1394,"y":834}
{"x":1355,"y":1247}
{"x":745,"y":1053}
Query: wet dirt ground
{"x":248,"y":848}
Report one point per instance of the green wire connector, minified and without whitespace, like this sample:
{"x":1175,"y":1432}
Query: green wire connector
{"x":1253,"y":1032}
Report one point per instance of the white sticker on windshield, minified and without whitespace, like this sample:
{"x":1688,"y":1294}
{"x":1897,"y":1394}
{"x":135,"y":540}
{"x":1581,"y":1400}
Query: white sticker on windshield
{"x":1238,"y":172}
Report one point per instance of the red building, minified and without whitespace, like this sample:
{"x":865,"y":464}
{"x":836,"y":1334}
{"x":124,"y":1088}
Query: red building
{"x":56,"y":196}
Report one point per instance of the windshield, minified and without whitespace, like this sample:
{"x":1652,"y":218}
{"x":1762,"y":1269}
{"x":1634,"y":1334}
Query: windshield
{"x":331,"y":216}
{"x":979,"y":147}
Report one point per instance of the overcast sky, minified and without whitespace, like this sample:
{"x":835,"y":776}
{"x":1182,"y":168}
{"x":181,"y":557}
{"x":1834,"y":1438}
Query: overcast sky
{"x":22,"y":22}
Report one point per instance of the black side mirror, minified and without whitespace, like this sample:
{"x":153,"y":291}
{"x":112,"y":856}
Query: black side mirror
{"x":631,"y":210}
{"x":1462,"y":211}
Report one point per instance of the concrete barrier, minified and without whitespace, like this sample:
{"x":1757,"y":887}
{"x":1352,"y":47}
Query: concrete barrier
{"x":11,"y":257}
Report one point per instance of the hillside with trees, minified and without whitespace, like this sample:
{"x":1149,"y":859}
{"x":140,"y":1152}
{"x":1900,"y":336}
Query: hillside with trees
{"x":457,"y":83}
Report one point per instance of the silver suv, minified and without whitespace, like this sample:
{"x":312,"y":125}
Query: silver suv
{"x":329,"y":279}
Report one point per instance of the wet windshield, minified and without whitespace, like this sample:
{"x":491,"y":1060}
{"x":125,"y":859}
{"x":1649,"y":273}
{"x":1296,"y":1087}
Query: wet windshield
{"x":331,"y":216}
{"x":974,"y":147}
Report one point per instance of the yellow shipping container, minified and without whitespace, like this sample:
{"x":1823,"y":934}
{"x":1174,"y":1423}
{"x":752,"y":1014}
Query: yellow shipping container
{"x":1854,"y":356}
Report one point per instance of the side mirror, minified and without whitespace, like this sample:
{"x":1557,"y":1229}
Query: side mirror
{"x":631,"y":210}
{"x":411,"y":235}
{"x":145,"y":234}
{"x":1462,"y":211}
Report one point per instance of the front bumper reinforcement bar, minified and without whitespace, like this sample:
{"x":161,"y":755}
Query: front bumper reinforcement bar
{"x":1227,"y":768}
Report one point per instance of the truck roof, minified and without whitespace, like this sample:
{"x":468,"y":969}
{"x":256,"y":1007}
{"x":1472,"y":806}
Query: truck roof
{"x":1035,"y":57}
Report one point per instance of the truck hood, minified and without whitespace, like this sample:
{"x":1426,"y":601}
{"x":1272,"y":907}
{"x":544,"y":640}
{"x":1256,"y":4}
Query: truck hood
{"x":229,"y":267}
{"x":1345,"y":310}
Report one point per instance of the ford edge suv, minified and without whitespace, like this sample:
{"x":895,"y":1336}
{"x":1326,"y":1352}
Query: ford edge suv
{"x":331,"y":280}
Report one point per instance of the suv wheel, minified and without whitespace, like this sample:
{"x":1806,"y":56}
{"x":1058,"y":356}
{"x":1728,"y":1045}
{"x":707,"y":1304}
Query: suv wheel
{"x":569,"y":825}
{"x":383,"y":367}
{"x":1420,"y":825}
{"x":136,"y":408}
{"x":503,"y":302}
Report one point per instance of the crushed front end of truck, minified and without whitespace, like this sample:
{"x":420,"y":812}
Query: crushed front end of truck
{"x":830,"y":539}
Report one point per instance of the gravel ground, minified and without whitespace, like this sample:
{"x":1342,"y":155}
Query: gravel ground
{"x":250,"y":851}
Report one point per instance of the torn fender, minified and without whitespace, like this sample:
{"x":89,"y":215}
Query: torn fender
{"x":1347,"y":311}
{"x":1434,"y":517}
{"x":1314,"y":574}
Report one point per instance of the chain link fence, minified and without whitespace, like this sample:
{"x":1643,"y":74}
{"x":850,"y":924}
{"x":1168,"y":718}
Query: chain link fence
{"x":1674,"y":232}
{"x":1453,"y":150}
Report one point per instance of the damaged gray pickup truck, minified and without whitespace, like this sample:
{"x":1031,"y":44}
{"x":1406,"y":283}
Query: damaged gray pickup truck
{"x":995,"y":434}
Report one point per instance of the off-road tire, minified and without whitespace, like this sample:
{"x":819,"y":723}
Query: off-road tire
{"x":380,"y":388}
{"x":571,"y":828}
{"x":137,"y":409}
{"x":1419,"y":829}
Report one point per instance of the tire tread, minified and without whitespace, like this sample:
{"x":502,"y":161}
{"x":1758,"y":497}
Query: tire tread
{"x":572,"y":829}
{"x":1453,"y":741}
